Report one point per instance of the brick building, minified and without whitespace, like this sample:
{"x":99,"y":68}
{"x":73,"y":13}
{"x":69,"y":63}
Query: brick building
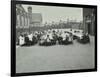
{"x":27,"y":19}
{"x":89,"y":20}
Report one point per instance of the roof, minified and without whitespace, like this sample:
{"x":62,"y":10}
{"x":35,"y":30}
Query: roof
{"x":36,"y":17}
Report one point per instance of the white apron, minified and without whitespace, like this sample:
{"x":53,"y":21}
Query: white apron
{"x":21,"y":40}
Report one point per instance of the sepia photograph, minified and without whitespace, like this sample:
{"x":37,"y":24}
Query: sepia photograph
{"x":54,"y":38}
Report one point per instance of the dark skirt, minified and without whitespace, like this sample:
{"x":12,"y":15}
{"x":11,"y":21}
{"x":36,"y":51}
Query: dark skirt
{"x":84,"y":40}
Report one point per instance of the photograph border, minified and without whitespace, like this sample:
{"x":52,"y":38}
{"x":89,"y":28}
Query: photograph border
{"x":13,"y":37}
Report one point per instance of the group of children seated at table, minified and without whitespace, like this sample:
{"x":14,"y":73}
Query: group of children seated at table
{"x":50,"y":37}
